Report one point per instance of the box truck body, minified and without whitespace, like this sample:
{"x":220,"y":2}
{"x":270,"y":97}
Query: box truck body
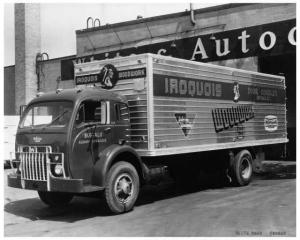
{"x":179,"y":106}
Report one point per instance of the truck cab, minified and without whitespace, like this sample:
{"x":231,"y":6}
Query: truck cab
{"x":66,"y":140}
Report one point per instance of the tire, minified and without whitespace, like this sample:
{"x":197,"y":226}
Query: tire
{"x":121,"y":187}
{"x":55,"y":199}
{"x":241,"y":168}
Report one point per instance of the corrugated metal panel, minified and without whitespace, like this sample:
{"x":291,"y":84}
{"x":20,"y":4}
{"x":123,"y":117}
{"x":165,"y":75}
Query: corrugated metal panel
{"x":184,"y":122}
{"x":167,"y":130}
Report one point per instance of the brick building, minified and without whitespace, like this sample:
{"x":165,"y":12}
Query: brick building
{"x":257,"y":37}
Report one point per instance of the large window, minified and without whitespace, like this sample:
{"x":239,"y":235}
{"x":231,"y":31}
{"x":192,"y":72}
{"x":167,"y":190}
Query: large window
{"x":49,"y":114}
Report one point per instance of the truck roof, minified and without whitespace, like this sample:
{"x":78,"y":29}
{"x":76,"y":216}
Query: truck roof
{"x":77,"y":94}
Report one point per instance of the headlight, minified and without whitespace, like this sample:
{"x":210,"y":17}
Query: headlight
{"x":58,"y":170}
{"x":56,"y":163}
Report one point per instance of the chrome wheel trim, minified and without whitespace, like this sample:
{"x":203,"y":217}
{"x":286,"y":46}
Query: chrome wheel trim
{"x":123,"y":188}
{"x":246,"y":168}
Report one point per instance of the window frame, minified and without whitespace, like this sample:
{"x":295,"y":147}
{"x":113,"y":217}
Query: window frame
{"x":118,"y":115}
{"x":83,"y":105}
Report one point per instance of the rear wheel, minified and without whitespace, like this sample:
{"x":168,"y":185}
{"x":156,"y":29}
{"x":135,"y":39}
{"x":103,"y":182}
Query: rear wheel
{"x":122,"y":187}
{"x":241,"y":168}
{"x":55,"y":199}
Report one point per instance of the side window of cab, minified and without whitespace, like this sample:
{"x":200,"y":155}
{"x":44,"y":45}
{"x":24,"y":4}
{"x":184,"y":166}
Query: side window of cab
{"x":92,"y":111}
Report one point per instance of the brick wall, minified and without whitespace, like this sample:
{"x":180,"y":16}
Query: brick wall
{"x":27,"y":45}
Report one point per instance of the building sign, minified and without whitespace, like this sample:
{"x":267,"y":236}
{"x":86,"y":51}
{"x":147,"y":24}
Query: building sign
{"x":173,"y":86}
{"x":261,"y":40}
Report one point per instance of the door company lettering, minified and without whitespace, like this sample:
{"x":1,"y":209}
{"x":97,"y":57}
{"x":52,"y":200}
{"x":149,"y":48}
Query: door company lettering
{"x":225,"y":118}
{"x":262,"y":40}
{"x":132,"y":73}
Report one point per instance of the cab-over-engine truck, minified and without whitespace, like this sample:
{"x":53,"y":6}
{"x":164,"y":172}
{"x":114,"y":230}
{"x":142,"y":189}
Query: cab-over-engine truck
{"x":130,"y":120}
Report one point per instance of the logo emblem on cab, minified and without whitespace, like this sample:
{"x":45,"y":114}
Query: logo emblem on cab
{"x":37,"y":139}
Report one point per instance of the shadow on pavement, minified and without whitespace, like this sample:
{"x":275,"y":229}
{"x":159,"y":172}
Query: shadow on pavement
{"x":83,"y":208}
{"x":277,"y":170}
{"x":79,"y":209}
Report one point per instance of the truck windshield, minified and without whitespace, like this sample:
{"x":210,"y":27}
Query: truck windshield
{"x":47,"y":114}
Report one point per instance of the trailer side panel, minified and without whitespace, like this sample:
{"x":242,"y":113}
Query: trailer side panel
{"x":200,"y":106}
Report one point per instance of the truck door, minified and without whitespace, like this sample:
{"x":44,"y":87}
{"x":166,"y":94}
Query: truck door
{"x":92,"y":133}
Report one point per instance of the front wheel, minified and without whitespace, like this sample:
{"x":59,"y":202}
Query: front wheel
{"x":241,"y":168}
{"x":55,"y":199}
{"x":122,"y":187}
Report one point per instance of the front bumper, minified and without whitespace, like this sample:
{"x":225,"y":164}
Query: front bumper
{"x":53,"y":184}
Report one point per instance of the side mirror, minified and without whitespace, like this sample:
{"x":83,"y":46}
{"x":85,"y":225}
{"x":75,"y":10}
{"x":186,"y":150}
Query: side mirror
{"x":21,"y":110}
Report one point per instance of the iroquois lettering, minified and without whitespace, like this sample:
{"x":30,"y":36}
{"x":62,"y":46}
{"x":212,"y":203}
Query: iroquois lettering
{"x":225,"y":118}
{"x":93,"y":78}
{"x":191,"y":88}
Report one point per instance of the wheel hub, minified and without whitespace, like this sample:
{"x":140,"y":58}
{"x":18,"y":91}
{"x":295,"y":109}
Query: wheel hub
{"x":245,"y":168}
{"x":123,"y":188}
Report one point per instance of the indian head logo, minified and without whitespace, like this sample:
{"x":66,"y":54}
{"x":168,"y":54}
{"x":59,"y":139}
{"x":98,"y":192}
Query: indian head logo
{"x":108,"y":76}
{"x":236,"y":92}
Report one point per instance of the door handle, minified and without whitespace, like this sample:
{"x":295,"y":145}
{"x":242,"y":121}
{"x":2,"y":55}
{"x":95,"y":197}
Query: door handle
{"x":107,"y":130}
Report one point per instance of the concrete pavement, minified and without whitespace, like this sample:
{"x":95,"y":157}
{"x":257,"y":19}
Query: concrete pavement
{"x":267,"y":207}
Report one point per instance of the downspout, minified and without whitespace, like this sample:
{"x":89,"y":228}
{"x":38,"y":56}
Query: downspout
{"x":192,"y":15}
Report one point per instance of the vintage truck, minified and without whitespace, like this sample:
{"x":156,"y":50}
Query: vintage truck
{"x":131,"y":120}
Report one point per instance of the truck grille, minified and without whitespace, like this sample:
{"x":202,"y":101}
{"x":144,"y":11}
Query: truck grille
{"x":33,"y":162}
{"x":33,"y":166}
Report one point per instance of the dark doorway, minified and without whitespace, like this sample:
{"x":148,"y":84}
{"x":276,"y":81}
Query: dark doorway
{"x":284,"y":65}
